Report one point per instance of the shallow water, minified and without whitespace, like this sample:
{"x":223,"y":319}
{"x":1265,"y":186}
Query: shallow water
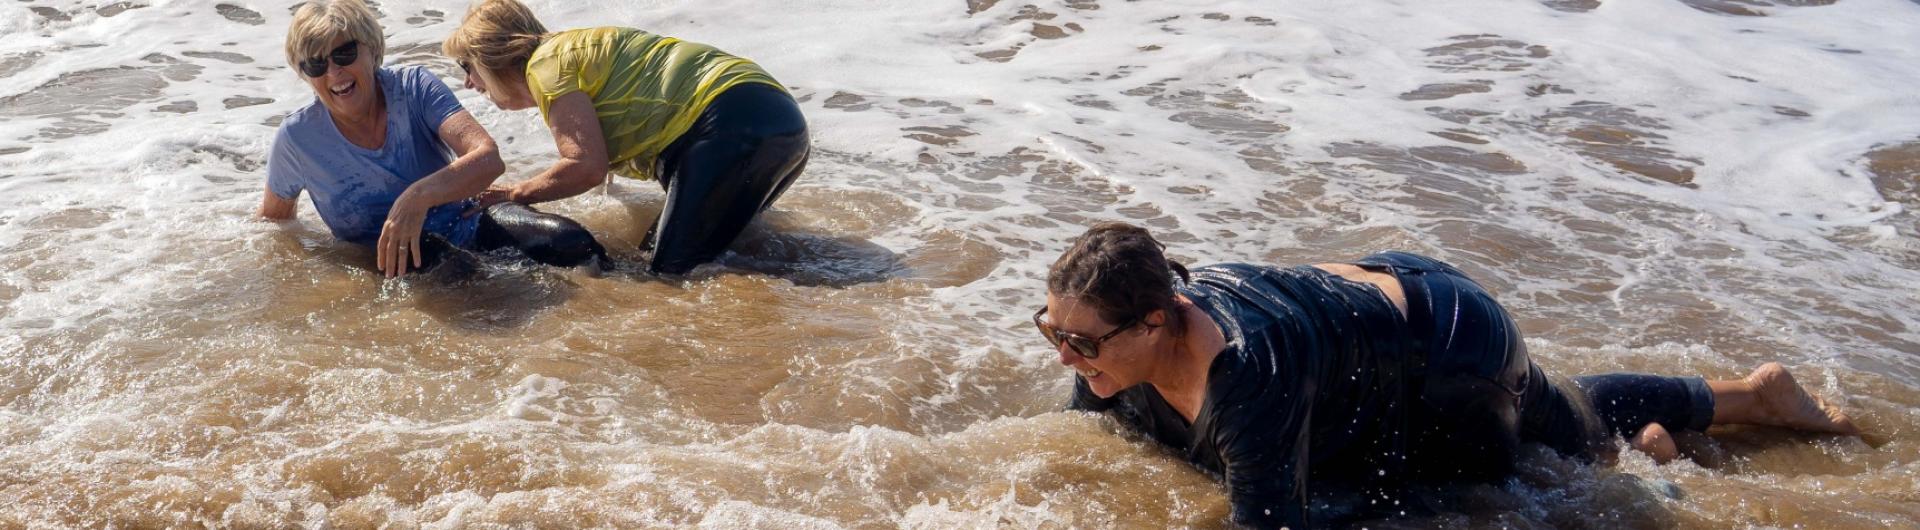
{"x":1674,"y":186}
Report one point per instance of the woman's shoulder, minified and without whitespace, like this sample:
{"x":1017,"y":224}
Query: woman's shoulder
{"x":1245,"y":298}
{"x":408,"y":78}
{"x":417,"y":87}
{"x":302,"y":123}
{"x":1246,"y":274}
{"x":1231,"y":269}
{"x":1232,"y":275}
{"x":409,"y":71}
{"x":303,"y":133}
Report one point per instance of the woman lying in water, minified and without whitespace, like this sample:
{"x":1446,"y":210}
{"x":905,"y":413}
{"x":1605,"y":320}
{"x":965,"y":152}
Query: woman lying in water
{"x":1353,"y":377}
{"x":373,"y":149}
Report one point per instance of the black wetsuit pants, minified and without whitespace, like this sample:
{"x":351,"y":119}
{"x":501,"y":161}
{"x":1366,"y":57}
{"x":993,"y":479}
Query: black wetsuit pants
{"x":1480,"y":396}
{"x":543,"y":237}
{"x":743,"y":151}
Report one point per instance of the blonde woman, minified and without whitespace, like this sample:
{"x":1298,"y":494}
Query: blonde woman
{"x":391,"y":158}
{"x":723,"y":138}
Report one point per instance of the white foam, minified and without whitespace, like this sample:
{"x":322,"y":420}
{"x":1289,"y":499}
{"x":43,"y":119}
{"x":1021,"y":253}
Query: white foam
{"x":1330,"y":73}
{"x":117,"y":226}
{"x":527,"y":399}
{"x":737,"y":514}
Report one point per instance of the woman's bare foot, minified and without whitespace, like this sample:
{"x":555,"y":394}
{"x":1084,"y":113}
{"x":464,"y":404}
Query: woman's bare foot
{"x":1775,"y":399}
{"x":1656,"y":442}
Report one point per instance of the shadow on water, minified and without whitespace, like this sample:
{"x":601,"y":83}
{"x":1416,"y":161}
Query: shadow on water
{"x":501,"y":293}
{"x":493,"y":291}
{"x":812,"y":260}
{"x":777,"y":244}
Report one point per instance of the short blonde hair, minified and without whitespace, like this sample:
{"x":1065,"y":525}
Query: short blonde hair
{"x":496,"y":36}
{"x":319,"y":22}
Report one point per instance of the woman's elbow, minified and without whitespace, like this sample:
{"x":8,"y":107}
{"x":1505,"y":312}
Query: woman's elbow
{"x":585,"y":174}
{"x":488,"y":164}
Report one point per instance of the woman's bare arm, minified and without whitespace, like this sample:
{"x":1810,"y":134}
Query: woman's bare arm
{"x":583,"y":154}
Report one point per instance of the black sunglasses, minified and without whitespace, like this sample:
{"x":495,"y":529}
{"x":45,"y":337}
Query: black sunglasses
{"x":1089,"y":348}
{"x":342,"y":56}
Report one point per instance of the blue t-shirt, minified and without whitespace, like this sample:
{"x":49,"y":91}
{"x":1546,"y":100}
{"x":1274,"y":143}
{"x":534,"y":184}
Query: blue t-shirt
{"x":353,"y":187}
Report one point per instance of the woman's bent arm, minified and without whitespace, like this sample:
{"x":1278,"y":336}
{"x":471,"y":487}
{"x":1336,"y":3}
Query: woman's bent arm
{"x":583,"y":154}
{"x":477,"y":166}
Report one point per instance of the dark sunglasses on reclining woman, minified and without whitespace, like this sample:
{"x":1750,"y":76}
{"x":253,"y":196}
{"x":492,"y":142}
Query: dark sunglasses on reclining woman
{"x":342,"y":56}
{"x":1086,"y":347}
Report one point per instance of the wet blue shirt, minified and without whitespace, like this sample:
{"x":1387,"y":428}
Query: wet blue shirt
{"x":353,"y":187}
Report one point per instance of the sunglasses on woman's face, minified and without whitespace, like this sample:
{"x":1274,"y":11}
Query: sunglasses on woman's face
{"x":1086,"y":347}
{"x":342,"y":56}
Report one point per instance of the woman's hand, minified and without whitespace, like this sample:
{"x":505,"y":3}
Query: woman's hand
{"x":400,"y":237}
{"x":489,"y":197}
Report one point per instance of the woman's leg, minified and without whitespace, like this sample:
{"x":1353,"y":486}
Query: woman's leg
{"x":1627,"y":403}
{"x":1770,"y":396}
{"x":743,"y":152}
{"x":545,"y":237}
{"x":1645,"y":408}
{"x":1467,"y":428}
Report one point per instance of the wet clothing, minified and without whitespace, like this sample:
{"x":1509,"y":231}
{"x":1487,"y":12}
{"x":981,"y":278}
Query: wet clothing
{"x":1480,"y":381}
{"x":354,"y":187}
{"x":1323,"y":382}
{"x":743,"y":152}
{"x":646,"y":88}
{"x":723,"y":138}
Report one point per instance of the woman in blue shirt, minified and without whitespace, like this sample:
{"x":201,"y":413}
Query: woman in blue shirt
{"x":1353,"y":377}
{"x":390,"y":157}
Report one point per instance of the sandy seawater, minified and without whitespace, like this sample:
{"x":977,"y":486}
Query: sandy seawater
{"x":1670,"y":186}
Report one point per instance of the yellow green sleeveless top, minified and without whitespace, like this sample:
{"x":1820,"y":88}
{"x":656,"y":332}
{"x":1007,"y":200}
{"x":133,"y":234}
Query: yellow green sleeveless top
{"x":647,"y":89}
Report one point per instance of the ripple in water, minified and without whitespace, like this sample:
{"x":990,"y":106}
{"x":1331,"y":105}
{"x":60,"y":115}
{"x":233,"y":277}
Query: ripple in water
{"x":240,"y":14}
{"x":863,"y":359}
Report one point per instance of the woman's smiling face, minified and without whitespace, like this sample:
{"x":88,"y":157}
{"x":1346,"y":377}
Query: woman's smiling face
{"x":347,"y":91}
{"x":1120,"y":362}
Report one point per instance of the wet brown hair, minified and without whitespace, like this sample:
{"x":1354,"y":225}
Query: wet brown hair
{"x":1122,"y":272}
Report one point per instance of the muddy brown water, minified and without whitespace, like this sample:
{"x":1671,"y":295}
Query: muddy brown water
{"x":826,"y":376}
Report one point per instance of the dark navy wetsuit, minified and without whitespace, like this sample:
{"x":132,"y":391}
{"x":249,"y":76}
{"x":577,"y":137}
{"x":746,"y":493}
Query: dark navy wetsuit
{"x":1323,"y":383}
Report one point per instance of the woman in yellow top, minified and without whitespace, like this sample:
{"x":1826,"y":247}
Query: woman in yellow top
{"x":722,"y":137}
